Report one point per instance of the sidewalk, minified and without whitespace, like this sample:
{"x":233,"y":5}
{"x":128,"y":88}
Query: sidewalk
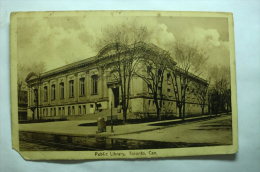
{"x":72,"y":128}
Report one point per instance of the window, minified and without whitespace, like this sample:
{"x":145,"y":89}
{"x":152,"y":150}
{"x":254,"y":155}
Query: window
{"x":71,"y":88}
{"x":82,"y":86}
{"x":79,"y":110}
{"x":54,"y":111}
{"x":53,"y":92}
{"x":35,"y":95}
{"x":62,"y":90}
{"x":149,"y":86}
{"x":59,"y":111}
{"x":73,"y":110}
{"x":168,"y":78}
{"x":63,"y":111}
{"x":94,"y":84}
{"x":69,"y":111}
{"x":45,"y":94}
{"x":84,"y":109}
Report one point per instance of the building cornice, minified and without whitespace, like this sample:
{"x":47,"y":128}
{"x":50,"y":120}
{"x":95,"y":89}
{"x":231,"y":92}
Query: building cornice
{"x":105,"y":54}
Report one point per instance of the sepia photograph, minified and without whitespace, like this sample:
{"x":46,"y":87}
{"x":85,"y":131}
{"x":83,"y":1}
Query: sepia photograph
{"x":122,"y":84}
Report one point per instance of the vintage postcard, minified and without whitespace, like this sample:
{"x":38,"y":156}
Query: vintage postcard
{"x":122,"y":84}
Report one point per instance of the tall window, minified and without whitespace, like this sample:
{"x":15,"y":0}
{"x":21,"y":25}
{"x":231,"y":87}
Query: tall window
{"x":69,"y":111}
{"x":82,"y":86}
{"x":94,"y":84}
{"x":62,"y":90}
{"x":73,"y":110}
{"x":53,"y":92}
{"x":79,"y":110}
{"x":168,"y":78}
{"x":84,"y":109}
{"x":71,"y":88}
{"x":35,"y":95}
{"x":149,"y":86}
{"x":45,"y":93}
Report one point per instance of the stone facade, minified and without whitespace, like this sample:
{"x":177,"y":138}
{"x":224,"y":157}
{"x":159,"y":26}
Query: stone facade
{"x":85,"y":89}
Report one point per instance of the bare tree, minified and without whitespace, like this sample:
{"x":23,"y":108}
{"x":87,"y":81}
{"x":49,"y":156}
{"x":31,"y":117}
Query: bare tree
{"x":220,"y":89}
{"x":201,"y":94}
{"x":154,"y":65}
{"x":124,"y":41}
{"x":190,"y":59}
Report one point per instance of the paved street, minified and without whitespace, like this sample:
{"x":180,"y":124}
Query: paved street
{"x":79,"y":128}
{"x":69,"y":135}
{"x":215,"y":131}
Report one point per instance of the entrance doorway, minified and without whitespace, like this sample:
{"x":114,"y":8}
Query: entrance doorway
{"x":116,"y":96}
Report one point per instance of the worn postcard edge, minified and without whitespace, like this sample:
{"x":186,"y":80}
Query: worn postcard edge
{"x":160,"y":153}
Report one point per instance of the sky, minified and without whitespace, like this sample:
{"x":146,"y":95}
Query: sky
{"x":60,"y":40}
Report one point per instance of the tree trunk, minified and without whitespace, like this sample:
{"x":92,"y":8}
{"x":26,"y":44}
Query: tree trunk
{"x":158,"y":110}
{"x":202,"y":110}
{"x":180,"y":111}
